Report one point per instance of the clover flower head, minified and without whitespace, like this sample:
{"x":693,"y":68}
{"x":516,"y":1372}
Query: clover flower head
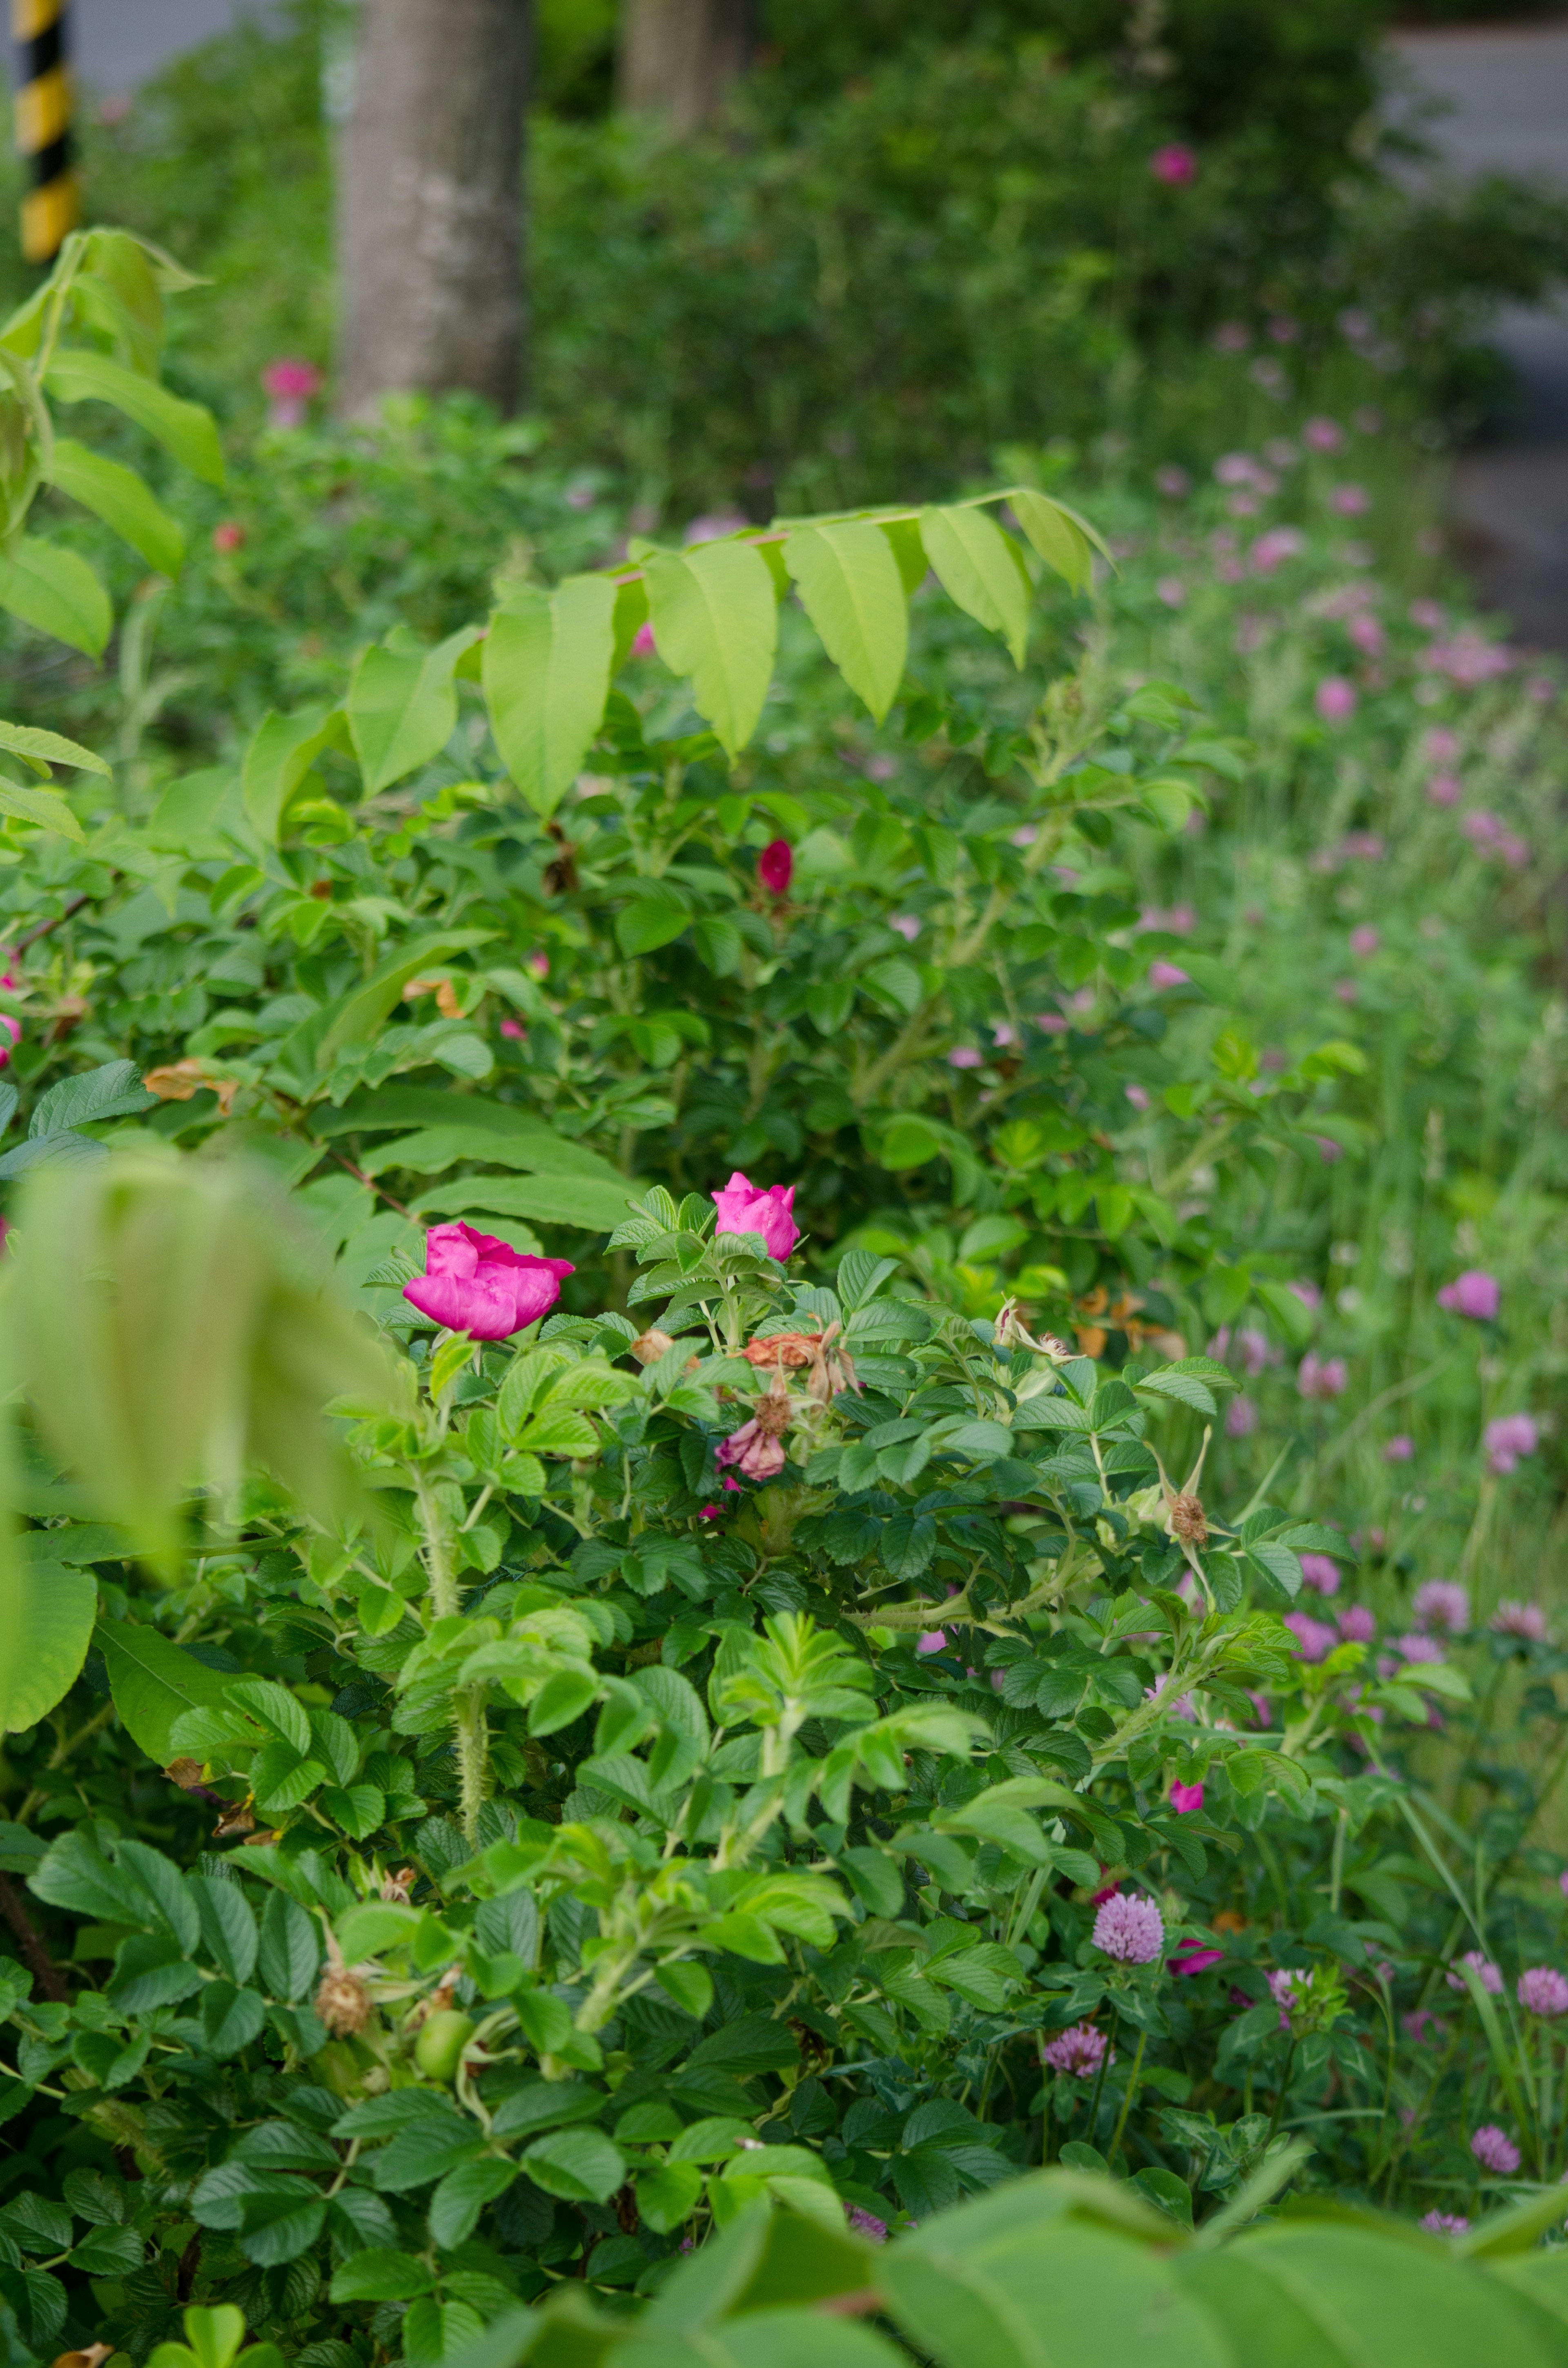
{"x":1494,"y":2150}
{"x":1485,"y":1972}
{"x":1543,"y":1991}
{"x":1078,"y":2052}
{"x":1130,"y":1929}
{"x":1525,"y":1620}
{"x":1442,"y":1603}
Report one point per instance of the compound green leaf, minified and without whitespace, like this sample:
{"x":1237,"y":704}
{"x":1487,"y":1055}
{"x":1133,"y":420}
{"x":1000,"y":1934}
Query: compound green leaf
{"x":118,"y":496}
{"x":46,"y":1625}
{"x":546,"y":670}
{"x":186,"y":429}
{"x":42,"y":807}
{"x":850,"y":587}
{"x":58,"y":593}
{"x":1063,"y":539}
{"x":715,"y":618}
{"x":403,"y":704}
{"x":979,"y":569}
{"x":154,"y":1681}
{"x":42,"y":749}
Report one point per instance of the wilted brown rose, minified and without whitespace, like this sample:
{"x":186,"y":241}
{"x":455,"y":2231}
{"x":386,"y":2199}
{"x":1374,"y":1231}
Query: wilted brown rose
{"x":342,"y":2002}
{"x":1187,"y":1520}
{"x":651,"y":1346}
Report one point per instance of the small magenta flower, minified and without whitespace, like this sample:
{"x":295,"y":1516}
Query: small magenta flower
{"x":1282,"y":1987}
{"x":1511,"y":1436}
{"x":1308,"y":1293}
{"x":1442,"y":745}
{"x":1240,"y":1419}
{"x":1444,"y":790}
{"x":1322,"y":1377}
{"x":1485,"y":1972}
{"x":476,"y":1284}
{"x":1543,"y":1991}
{"x":1336,"y":699}
{"x":1321,"y":1573}
{"x":744,"y":1208}
{"x":1138,"y":1095}
{"x":1175,"y":164}
{"x":1494,"y":2150}
{"x":932,"y":1640}
{"x":228,"y":535}
{"x":1475,"y":1295}
{"x":643,"y":646}
{"x":514,"y":1031}
{"x":776,"y":867}
{"x":1078,"y":2052}
{"x":1350,"y":501}
{"x":1193,"y":1957}
{"x":965,"y":1056}
{"x":1172,"y":591}
{"x":1185,"y":1797}
{"x":1174,"y":483}
{"x":754,"y":1449}
{"x":1525,"y":1620}
{"x":289,"y":385}
{"x":907,"y":925}
{"x":1314,"y":1638}
{"x":1165,"y":974}
{"x":1444,"y":2223}
{"x":1130,"y":1929}
{"x":1323,"y":436}
{"x":1368,"y":635}
{"x":1399,"y":1449}
{"x":1356,"y":1624}
{"x":1364,"y":941}
{"x":865,"y":2224}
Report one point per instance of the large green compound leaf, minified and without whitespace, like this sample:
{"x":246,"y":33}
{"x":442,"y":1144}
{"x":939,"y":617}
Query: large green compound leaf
{"x":546,"y":669}
{"x":46,"y":1623}
{"x":57,"y":593}
{"x":118,"y":496}
{"x":154,"y":1681}
{"x":715,"y":617}
{"x":850,"y":587}
{"x":186,"y":429}
{"x":403,"y":704}
{"x":980,"y":570}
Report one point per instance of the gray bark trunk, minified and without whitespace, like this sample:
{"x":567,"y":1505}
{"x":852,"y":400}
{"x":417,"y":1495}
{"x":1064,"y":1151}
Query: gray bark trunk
{"x":430,"y":202}
{"x":680,"y":59}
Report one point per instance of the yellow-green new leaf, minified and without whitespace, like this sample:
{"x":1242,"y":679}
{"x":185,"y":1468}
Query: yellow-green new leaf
{"x":42,"y":807}
{"x":850,"y":587}
{"x":546,"y":672}
{"x":1063,"y":539}
{"x":402,"y":706}
{"x":118,"y":496}
{"x":58,"y":593}
{"x":715,"y":617}
{"x":42,"y":749}
{"x":186,"y":429}
{"x":982,"y":570}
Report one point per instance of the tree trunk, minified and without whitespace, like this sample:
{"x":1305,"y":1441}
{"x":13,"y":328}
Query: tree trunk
{"x":679,"y":59}
{"x":430,"y":204}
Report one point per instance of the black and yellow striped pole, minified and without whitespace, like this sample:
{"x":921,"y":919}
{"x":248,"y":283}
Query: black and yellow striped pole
{"x":42,"y":29}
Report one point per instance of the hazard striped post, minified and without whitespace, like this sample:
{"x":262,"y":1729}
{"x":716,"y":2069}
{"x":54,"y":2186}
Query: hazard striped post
{"x":41,"y":31}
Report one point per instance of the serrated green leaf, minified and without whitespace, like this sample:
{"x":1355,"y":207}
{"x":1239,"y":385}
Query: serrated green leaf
{"x":715,"y":617}
{"x":850,"y":587}
{"x":979,"y":569}
{"x":546,"y":670}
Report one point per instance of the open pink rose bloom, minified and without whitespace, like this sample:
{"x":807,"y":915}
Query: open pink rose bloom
{"x":474,"y":1283}
{"x":744,"y":1208}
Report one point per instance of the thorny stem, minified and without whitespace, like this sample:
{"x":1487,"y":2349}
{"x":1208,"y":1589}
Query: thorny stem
{"x":472,"y":1734}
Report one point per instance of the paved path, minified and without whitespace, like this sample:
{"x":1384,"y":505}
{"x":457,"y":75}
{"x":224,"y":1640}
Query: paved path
{"x":1506,"y":90}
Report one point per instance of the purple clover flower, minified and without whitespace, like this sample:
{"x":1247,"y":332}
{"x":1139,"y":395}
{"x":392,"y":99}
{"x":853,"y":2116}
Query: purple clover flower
{"x":1543,"y":1991}
{"x":1130,"y":1929}
{"x":1494,"y":2150}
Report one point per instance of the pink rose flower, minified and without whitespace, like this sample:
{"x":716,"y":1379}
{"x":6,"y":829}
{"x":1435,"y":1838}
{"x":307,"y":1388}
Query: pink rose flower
{"x":1165,"y":974}
{"x":964,"y":1056}
{"x":1192,"y":1957}
{"x":289,"y":385}
{"x":744,"y":1208}
{"x":476,"y":1284}
{"x":759,"y":1453}
{"x":643,"y":642}
{"x":1185,"y":1797}
{"x":776,"y":867}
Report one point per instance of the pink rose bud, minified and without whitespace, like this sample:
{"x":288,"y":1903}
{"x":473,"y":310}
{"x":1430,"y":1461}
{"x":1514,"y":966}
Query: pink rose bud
{"x":228,"y":535}
{"x":744,"y":1208}
{"x":776,"y":867}
{"x":476,"y":1284}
